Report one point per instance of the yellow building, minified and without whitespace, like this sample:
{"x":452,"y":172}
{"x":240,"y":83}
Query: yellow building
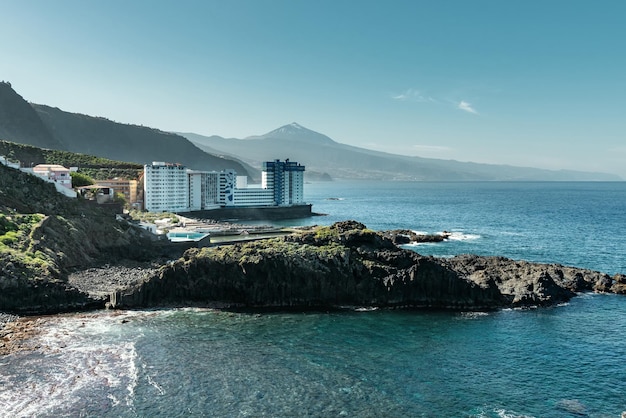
{"x":129,"y":188}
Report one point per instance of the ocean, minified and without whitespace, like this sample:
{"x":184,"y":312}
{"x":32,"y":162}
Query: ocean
{"x":563,"y":361}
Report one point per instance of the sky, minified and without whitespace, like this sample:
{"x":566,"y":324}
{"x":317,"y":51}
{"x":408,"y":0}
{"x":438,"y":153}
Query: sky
{"x":530,"y":83}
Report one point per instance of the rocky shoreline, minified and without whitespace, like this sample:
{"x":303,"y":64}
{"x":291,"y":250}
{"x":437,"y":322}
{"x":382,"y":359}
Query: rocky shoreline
{"x":16,"y":333}
{"x":65,"y":255}
{"x":326,"y":267}
{"x":347,"y":264}
{"x":100,"y":281}
{"x":320,"y":268}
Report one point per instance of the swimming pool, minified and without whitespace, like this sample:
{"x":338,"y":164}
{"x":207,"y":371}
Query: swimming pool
{"x":186,"y":236}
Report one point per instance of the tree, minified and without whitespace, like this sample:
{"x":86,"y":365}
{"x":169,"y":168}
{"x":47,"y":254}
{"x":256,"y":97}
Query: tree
{"x":80,"y":180}
{"x":120,"y":198}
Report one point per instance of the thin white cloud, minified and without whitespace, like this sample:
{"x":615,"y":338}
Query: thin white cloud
{"x":467,"y":107}
{"x":413,"y":95}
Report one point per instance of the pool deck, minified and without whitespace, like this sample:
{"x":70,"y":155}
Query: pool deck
{"x":225,"y":233}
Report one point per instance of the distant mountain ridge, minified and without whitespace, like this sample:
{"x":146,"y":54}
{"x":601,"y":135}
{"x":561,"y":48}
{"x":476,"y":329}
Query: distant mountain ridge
{"x":295,"y":132}
{"x":52,"y":128}
{"x":322,"y":154}
{"x":49,"y":127}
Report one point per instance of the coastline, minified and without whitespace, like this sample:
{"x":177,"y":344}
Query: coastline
{"x":473,"y":283}
{"x":109,"y":283}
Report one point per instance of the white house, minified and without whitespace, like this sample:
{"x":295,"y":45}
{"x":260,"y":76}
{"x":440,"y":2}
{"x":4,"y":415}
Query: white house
{"x":56,"y":174}
{"x":8,"y":163}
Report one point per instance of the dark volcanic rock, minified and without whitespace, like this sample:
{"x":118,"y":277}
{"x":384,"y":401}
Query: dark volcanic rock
{"x":46,"y":235}
{"x":28,"y":296}
{"x":406,"y":236}
{"x":347,"y":264}
{"x":618,"y":285}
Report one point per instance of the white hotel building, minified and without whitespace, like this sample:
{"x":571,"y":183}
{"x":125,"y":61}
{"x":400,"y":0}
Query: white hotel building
{"x":173,"y":188}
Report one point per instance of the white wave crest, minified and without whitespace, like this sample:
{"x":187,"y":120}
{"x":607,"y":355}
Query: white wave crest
{"x":461,"y":236}
{"x":473,"y":315}
{"x":87,"y":361}
{"x":500,"y":413}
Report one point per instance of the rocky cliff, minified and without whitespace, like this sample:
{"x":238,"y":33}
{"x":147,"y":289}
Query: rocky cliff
{"x":20,"y":122}
{"x":347,"y":264}
{"x":45,"y":235}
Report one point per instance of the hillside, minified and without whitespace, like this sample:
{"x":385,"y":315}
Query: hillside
{"x":52,"y":128}
{"x":20,"y":123}
{"x":322,"y":154}
{"x":45,"y":235}
{"x":94,"y":167}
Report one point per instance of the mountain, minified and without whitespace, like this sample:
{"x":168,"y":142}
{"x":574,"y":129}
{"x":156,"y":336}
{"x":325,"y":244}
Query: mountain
{"x":297,"y":133}
{"x":19,"y":122}
{"x":52,"y":128}
{"x":321,"y":154}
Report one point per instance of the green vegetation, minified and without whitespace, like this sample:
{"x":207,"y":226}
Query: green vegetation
{"x":15,"y":245}
{"x":95,"y":167}
{"x":14,"y":229}
{"x":326,"y":233}
{"x":81,"y":180}
{"x":152,"y":216}
{"x":6,"y":225}
{"x":105,"y":173}
{"x":120,"y":198}
{"x":291,"y":252}
{"x":72,"y":159}
{"x":10,"y":237}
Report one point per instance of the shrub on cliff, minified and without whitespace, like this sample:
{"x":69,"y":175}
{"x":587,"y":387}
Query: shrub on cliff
{"x":81,"y":180}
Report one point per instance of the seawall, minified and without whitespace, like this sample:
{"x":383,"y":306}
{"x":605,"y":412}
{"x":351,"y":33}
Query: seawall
{"x":253,"y":213}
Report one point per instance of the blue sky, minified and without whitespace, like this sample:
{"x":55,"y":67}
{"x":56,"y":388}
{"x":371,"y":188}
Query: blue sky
{"x":530,"y":83}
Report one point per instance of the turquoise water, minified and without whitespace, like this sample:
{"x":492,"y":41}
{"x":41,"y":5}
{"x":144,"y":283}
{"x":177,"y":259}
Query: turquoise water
{"x":564,"y":361}
{"x":185,"y":236}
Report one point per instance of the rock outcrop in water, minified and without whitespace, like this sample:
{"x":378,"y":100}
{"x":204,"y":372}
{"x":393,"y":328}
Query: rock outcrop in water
{"x":348,"y":265}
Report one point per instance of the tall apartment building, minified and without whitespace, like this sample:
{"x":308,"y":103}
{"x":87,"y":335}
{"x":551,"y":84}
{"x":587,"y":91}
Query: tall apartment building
{"x":228,"y":184}
{"x":166,"y":187}
{"x":204,"y":190}
{"x":286,"y":179}
{"x":172,"y":188}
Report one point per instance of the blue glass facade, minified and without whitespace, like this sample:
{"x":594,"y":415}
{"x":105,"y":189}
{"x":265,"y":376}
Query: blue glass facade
{"x":282,"y":176}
